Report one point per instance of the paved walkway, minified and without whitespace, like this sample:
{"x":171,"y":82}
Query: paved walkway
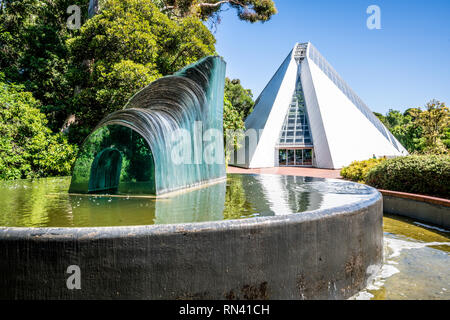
{"x":290,"y":171}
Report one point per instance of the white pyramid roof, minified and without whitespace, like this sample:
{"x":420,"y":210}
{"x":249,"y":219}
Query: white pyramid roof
{"x":339,"y":126}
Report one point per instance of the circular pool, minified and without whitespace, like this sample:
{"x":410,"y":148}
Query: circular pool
{"x":249,"y":237}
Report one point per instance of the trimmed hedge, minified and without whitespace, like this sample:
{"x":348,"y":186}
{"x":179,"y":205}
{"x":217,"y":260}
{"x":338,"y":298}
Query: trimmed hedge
{"x":427,"y":175}
{"x":357,"y":171}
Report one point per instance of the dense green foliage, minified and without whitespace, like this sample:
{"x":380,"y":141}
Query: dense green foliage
{"x":126,"y":46}
{"x":240,"y":98}
{"x":426,"y":131}
{"x":27,"y":147}
{"x":93,"y":71}
{"x":421,"y":174}
{"x":33,"y":52}
{"x":238,"y":105}
{"x":435,"y":124}
{"x":357,"y":171}
{"x":403,"y":127}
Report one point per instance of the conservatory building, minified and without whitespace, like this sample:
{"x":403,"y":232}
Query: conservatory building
{"x":308,"y":116}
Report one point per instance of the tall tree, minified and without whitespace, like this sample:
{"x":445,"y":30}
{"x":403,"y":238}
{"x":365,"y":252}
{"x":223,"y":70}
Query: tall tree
{"x":240,"y":98}
{"x":435,"y":121}
{"x":33,"y":51}
{"x":233,"y":126}
{"x":404,"y":128}
{"x":128,"y":44}
{"x":395,"y":118}
{"x":247,"y":10}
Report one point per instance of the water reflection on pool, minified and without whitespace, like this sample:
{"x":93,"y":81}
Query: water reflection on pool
{"x":46,"y":202}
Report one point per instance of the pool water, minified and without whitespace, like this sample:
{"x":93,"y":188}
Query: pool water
{"x":47,"y":203}
{"x":417,"y":256}
{"x":417,"y":263}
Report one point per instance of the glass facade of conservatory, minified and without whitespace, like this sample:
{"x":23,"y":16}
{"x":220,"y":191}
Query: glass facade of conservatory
{"x":295,"y":146}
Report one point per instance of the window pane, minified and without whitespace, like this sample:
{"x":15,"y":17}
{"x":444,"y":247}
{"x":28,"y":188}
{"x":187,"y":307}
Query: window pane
{"x":282,"y":157}
{"x":291,"y":157}
{"x":299,"y":157}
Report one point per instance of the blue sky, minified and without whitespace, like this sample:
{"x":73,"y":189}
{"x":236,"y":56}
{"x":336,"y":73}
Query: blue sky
{"x":403,"y":65}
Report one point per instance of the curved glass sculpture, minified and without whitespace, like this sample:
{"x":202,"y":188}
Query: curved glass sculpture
{"x":168,"y":137}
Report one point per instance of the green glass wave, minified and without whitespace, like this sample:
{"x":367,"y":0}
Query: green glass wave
{"x":137,"y":150}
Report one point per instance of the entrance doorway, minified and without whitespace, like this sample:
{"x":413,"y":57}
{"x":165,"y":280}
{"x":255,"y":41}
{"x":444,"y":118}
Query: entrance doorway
{"x":105,"y":172}
{"x":295,"y":157}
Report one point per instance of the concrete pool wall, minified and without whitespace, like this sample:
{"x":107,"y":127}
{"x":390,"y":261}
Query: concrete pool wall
{"x":324,"y":254}
{"x":423,"y":208}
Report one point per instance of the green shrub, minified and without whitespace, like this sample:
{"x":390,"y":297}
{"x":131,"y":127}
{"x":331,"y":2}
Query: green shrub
{"x":428,"y":175}
{"x":357,"y":171}
{"x":28,"y":148}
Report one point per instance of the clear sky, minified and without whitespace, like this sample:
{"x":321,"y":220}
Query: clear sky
{"x":403,"y":65}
